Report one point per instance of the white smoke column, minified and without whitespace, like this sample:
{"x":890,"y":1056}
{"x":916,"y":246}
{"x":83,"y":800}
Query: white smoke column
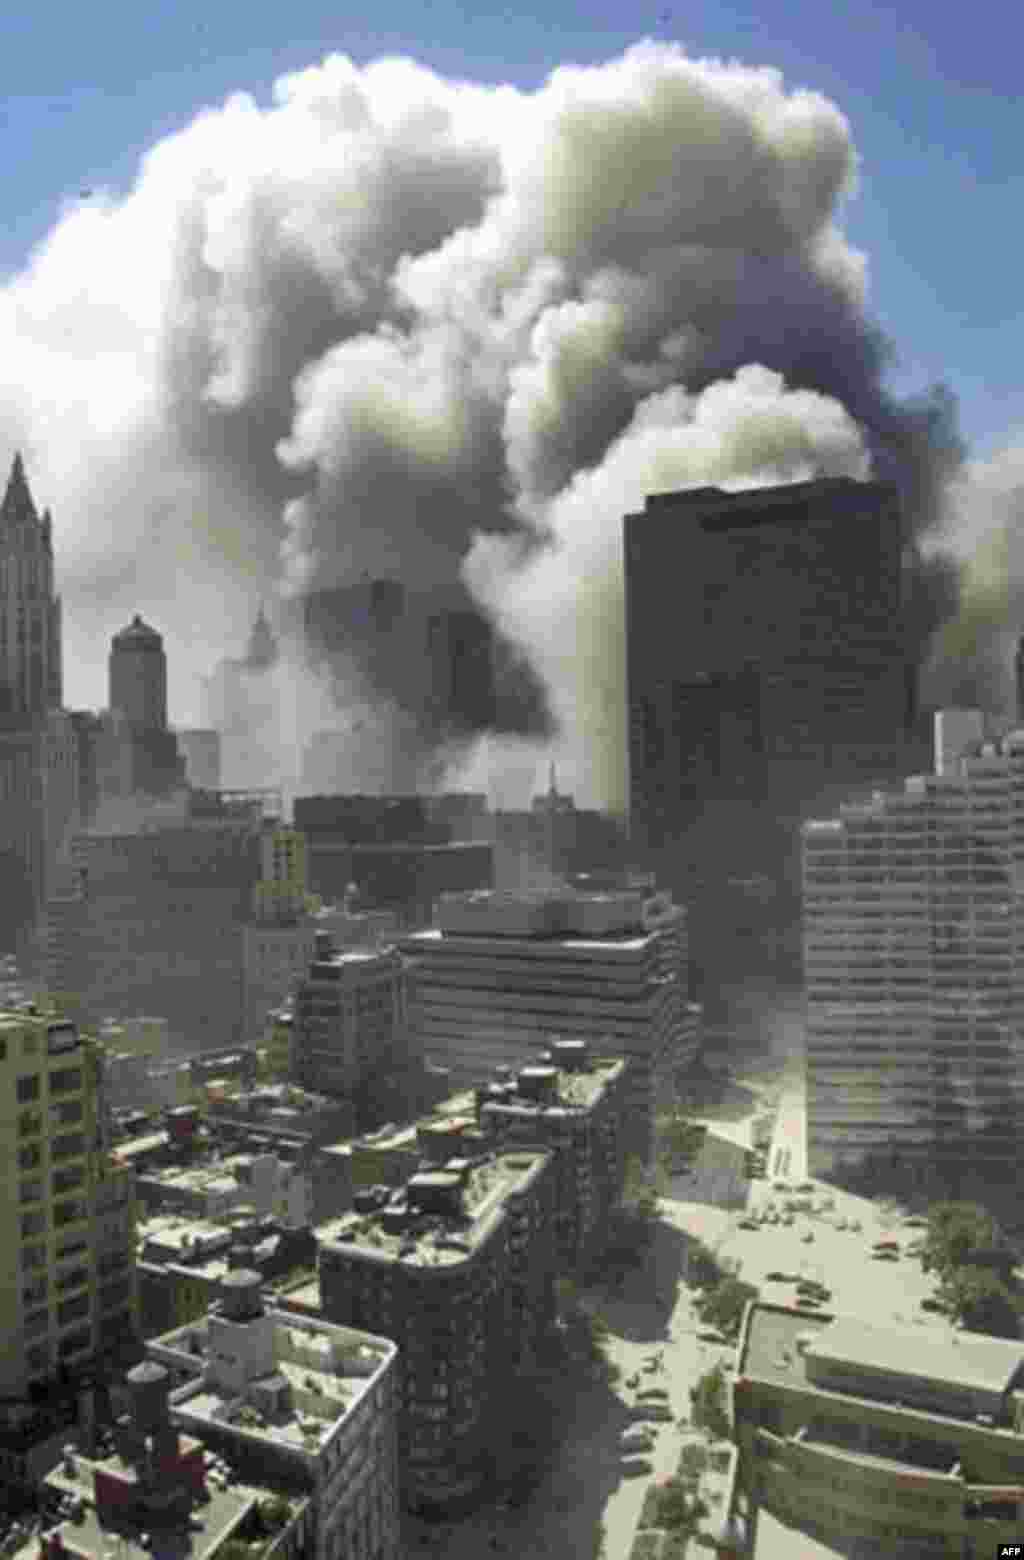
{"x":566,"y":601}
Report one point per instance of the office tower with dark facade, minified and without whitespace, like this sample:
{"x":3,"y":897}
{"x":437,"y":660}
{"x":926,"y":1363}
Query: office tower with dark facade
{"x":768,"y":667}
{"x":137,"y":754}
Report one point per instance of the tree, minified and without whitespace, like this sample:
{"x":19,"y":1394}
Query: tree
{"x":600,"y":1541}
{"x":981,"y":1302}
{"x":723,"y":1306}
{"x":709,"y":1403}
{"x":955,"y":1229}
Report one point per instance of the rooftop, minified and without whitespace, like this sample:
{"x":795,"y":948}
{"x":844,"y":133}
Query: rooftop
{"x":435,"y":1238}
{"x":211,"y":1523}
{"x":318,"y":1373}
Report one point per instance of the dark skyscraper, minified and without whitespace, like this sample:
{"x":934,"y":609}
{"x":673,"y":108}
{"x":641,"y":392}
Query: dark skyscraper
{"x":138,"y":676}
{"x":137,"y":755}
{"x":30,"y":618}
{"x":767,"y":664}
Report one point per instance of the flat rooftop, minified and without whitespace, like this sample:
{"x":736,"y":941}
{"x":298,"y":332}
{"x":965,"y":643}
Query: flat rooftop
{"x":548,"y":945}
{"x":211,"y":1521}
{"x":574,"y":1090}
{"x":436,"y":1239}
{"x":327,"y":1368}
{"x":959,"y":1359}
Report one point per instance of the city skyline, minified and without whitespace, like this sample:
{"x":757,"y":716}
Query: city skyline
{"x":391,"y":324}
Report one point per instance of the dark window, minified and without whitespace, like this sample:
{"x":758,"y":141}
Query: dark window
{"x":67,"y":1180}
{"x":72,"y":1310}
{"x":28,"y":1088}
{"x":64,"y":1079}
{"x":33,"y":1223}
{"x":30,"y":1156}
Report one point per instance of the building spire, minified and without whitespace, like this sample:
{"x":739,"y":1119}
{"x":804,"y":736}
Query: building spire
{"x":17,"y":504}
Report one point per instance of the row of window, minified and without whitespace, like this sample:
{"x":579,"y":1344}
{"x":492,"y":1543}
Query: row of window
{"x":62,"y":1081}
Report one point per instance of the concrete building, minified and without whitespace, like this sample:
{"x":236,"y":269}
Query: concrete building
{"x":153,"y":920}
{"x":136,"y":753}
{"x":768,"y":662}
{"x":914,"y":967}
{"x":200,"y":748}
{"x":458,"y":1268}
{"x":68,"y":1293}
{"x":501,"y":976}
{"x":576,"y":1105}
{"x":896,"y":1440}
{"x":277,"y":1113}
{"x":306,"y":1403}
{"x":350,"y":1020}
{"x":183,"y":1261}
{"x":160,"y":1491}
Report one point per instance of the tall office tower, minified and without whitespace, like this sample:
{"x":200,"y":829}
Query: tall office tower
{"x":30,"y":613}
{"x":152,"y":920}
{"x":767,"y":665}
{"x":350,"y":1030}
{"x":201,"y":751}
{"x":914,"y":967}
{"x":459,"y":1269}
{"x":38,"y":765}
{"x":502,"y":975}
{"x":137,"y":755}
{"x":67,"y":1289}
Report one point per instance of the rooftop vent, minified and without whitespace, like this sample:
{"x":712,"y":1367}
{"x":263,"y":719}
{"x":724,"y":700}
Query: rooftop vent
{"x":539,"y":1084}
{"x":570,"y":1055}
{"x":438,"y":1191}
{"x":240,"y":1295}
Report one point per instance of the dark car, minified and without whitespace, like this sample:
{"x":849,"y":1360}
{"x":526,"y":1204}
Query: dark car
{"x":886,"y":1254}
{"x":775,"y":1277}
{"x":653,"y":1395}
{"x":931,"y":1304}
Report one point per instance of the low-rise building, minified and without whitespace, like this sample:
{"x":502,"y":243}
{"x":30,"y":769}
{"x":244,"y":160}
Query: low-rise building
{"x":304,"y":1402}
{"x":159,"y":1493}
{"x":906,"y":1440}
{"x":458,"y":1267}
{"x":270,"y":1184}
{"x":277,"y":1113}
{"x":183,"y":1261}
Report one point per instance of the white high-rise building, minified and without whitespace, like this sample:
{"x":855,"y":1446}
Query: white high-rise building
{"x":914,"y":965}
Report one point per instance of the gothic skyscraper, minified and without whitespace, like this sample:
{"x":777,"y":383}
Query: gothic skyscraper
{"x":30,"y":614}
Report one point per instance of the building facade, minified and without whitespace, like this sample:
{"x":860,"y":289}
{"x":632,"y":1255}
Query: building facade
{"x":914,"y":967}
{"x":458,"y":1268}
{"x":888,"y":1441}
{"x":350,"y":1020}
{"x":501,"y":976}
{"x":307,"y":1403}
{"x":767,"y":661}
{"x":68,"y":1290}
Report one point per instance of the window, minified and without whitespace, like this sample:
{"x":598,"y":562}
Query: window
{"x":33,"y":1224}
{"x":66,"y":1112}
{"x":33,"y":1257}
{"x":34,"y":1293}
{"x":64,"y":1079}
{"x":67,"y":1180}
{"x":28,"y":1088}
{"x":71,"y":1248}
{"x":75,"y":1342}
{"x":74,"y":1278}
{"x":30,"y":1156}
{"x":37,"y":1358}
{"x":31,"y":1190}
{"x":67,"y":1212}
{"x":72,"y":1310}
{"x":38,"y":1322}
{"x":68,"y":1144}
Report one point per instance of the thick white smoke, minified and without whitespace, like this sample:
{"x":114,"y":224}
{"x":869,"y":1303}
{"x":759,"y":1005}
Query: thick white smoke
{"x":397,"y":324}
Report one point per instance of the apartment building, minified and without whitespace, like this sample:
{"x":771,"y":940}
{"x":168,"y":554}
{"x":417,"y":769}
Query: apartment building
{"x":68,"y":1293}
{"x":914,"y":966}
{"x":575,"y":1105}
{"x":458,"y":1267}
{"x":183,"y":1260}
{"x":305,"y":1402}
{"x":159,"y":1489}
{"x":899,"y":1440}
{"x":502,"y":975}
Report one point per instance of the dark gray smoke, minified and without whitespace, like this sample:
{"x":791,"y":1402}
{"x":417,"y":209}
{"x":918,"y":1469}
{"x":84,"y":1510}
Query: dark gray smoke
{"x":406,"y":326}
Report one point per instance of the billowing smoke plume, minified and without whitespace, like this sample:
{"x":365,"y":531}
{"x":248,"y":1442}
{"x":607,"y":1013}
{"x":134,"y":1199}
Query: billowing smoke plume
{"x":409,"y":326}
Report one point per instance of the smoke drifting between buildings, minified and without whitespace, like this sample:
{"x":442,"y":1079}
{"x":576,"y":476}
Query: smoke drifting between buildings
{"x":451,"y":334}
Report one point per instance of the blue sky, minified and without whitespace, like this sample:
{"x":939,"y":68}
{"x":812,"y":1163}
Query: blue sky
{"x":930,"y":92}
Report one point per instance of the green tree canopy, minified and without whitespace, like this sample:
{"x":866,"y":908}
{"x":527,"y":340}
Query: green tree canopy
{"x":955,"y":1229}
{"x":722,"y":1306}
{"x":709,"y":1403}
{"x":981,"y":1302}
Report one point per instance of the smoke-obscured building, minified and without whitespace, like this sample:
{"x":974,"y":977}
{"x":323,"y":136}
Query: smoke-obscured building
{"x":201,"y":751}
{"x":914,"y":968}
{"x":768,"y":663}
{"x":136,"y":754}
{"x":152,"y":921}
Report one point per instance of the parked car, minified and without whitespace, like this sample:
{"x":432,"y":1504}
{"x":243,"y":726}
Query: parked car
{"x":840,"y":1224}
{"x":929,"y":1303}
{"x":787,"y":1219}
{"x":748,"y":1224}
{"x":775,"y":1277}
{"x":659,"y":1412}
{"x":781,"y":1186}
{"x":807,"y":1237}
{"x":887,"y":1244}
{"x":915,"y":1223}
{"x":856,"y":1226}
{"x":886,"y":1256}
{"x":806,"y":1186}
{"x":710,"y":1336}
{"x":636,"y":1441}
{"x":653,"y":1395}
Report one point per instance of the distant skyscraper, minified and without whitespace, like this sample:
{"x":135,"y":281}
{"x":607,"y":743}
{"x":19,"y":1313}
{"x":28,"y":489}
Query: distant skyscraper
{"x":30,"y":613}
{"x":914,"y":967}
{"x":137,"y":755}
{"x":767,"y":660}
